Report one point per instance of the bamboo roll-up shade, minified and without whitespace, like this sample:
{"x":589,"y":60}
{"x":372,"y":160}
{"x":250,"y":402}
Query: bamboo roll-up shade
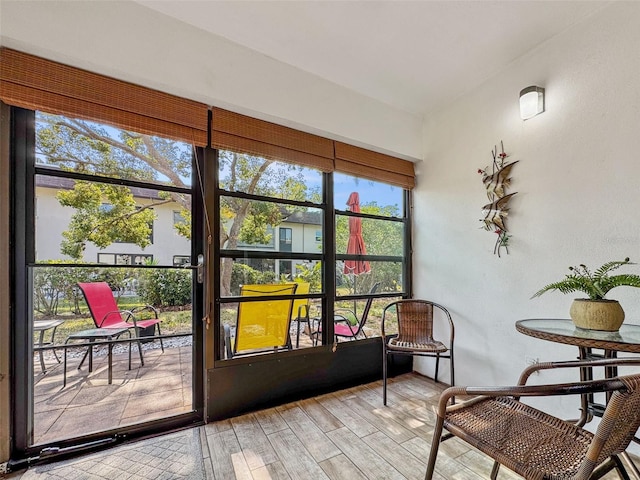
{"x":233,"y":131}
{"x":36,"y":83}
{"x":374,"y":166}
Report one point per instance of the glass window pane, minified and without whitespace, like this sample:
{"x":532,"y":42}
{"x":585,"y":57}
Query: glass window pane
{"x":367,"y":236}
{"x":83,"y":146}
{"x":251,"y":271}
{"x":61,"y":316}
{"x":269,"y":325}
{"x":374,"y":197}
{"x":268,"y":226}
{"x":350,"y":319}
{"x":91,"y":222}
{"x":385,"y":276}
{"x":259,"y":176}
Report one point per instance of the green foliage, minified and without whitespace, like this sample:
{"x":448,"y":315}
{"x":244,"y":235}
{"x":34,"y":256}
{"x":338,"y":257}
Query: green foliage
{"x":596,"y":285}
{"x":184,"y":227}
{"x":381,"y":238}
{"x":103,"y":214}
{"x":246,"y":220}
{"x":88,"y":147}
{"x":245,"y":275}
{"x":164,"y":287}
{"x":106,"y":213}
{"x":311,"y":273}
{"x":55,"y":286}
{"x":255,"y":229}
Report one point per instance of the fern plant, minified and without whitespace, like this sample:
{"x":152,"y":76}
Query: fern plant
{"x":594,"y":284}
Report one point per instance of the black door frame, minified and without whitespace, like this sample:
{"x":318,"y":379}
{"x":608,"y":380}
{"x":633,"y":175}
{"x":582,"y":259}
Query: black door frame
{"x":22,"y":244}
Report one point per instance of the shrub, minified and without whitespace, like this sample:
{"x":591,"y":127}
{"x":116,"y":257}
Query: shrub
{"x":245,"y":275}
{"x":165,"y":287}
{"x":54,"y":286}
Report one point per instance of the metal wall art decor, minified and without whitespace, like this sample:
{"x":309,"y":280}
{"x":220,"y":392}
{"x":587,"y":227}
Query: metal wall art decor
{"x":496,"y":181}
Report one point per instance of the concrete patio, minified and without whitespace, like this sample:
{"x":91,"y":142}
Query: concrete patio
{"x":88,"y":403}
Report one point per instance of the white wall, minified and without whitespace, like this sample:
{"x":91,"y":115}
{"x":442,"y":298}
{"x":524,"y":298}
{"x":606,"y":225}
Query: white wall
{"x":578,"y":201}
{"x":125,"y":40}
{"x":52,"y":219}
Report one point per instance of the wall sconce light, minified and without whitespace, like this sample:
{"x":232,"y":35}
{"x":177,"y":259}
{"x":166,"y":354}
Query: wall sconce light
{"x":531,"y":102}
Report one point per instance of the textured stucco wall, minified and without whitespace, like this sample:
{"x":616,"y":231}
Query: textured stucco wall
{"x":578,"y":193}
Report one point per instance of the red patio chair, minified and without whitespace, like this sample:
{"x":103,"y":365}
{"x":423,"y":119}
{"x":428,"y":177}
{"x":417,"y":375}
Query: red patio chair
{"x":105,"y":312}
{"x":342,"y":327}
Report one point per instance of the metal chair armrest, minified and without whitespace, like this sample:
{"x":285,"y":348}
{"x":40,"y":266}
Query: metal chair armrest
{"x":337,"y":318}
{"x":575,"y":388}
{"x":128,"y":313}
{"x":146,"y":307}
{"x":606,"y":362}
{"x":306,"y":315}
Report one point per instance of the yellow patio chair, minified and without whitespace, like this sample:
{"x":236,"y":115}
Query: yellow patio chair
{"x":300,"y":312}
{"x":262,"y":325}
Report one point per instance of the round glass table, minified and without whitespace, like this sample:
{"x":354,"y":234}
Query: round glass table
{"x":627,"y":339}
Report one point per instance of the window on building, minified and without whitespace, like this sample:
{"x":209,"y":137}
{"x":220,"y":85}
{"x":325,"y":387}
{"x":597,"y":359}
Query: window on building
{"x":178,"y":218}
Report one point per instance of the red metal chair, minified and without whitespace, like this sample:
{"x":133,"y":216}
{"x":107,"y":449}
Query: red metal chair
{"x":342,"y":327}
{"x":106,"y":314}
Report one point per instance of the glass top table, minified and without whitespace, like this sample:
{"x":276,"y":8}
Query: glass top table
{"x":627,"y":339}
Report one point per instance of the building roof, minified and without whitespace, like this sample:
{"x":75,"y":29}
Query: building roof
{"x":61,"y":183}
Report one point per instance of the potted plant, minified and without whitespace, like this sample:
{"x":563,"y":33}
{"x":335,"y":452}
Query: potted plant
{"x":595,"y":312}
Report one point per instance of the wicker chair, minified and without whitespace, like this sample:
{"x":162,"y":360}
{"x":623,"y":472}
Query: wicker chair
{"x":415,"y":336}
{"x":535,"y":444}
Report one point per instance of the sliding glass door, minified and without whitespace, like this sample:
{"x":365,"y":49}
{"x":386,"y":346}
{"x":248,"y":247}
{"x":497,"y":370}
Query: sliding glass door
{"x":106,"y":296}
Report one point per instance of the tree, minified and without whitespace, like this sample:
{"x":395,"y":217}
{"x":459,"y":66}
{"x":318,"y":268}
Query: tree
{"x":381,"y":238}
{"x":120,"y":219}
{"x":105,"y":213}
{"x":247,"y":220}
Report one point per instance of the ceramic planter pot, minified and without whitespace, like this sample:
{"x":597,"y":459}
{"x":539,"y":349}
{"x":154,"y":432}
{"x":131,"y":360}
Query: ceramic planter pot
{"x":604,"y":315}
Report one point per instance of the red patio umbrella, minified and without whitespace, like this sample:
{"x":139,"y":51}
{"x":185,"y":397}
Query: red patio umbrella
{"x":356,"y":245}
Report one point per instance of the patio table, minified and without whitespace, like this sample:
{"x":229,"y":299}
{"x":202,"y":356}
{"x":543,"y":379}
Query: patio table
{"x":42,"y":326}
{"x":627,"y":339}
{"x":107,"y":334}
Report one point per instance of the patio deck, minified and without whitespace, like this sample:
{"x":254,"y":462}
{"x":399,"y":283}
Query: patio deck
{"x":89,"y":403}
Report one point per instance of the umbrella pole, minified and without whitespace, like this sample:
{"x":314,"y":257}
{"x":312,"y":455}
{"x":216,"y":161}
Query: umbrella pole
{"x":355,"y":303}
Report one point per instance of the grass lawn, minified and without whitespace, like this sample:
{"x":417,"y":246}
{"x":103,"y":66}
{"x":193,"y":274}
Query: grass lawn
{"x":173,"y":320}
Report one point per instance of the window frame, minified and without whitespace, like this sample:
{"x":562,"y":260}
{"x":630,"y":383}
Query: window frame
{"x":328,"y":257}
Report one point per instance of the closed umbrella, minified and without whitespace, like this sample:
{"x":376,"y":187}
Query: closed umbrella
{"x":355,"y":245}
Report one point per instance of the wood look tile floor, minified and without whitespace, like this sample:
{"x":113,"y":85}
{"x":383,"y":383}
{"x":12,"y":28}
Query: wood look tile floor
{"x":344,"y":435}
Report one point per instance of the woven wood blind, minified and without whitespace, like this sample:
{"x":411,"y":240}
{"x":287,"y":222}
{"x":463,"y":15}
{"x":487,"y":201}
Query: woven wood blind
{"x":38,"y":84}
{"x":233,"y":131}
{"x":374,"y":166}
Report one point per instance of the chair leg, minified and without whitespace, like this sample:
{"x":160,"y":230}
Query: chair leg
{"x":139,"y":346}
{"x":227,"y":340}
{"x":129,"y":349}
{"x":160,"y":333}
{"x":453,"y":378}
{"x":494,"y":470}
{"x":435,"y":444}
{"x":384,"y":375}
{"x":437,"y":365}
{"x":620,"y":468}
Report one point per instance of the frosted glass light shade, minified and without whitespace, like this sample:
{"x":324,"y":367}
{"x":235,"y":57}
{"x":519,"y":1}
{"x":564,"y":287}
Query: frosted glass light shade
{"x":531,"y":102}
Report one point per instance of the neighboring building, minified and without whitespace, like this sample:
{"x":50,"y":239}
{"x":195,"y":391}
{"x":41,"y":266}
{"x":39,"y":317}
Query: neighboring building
{"x":300,"y":232}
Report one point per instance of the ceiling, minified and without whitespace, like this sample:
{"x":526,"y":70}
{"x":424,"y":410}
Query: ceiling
{"x":414,"y":55}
